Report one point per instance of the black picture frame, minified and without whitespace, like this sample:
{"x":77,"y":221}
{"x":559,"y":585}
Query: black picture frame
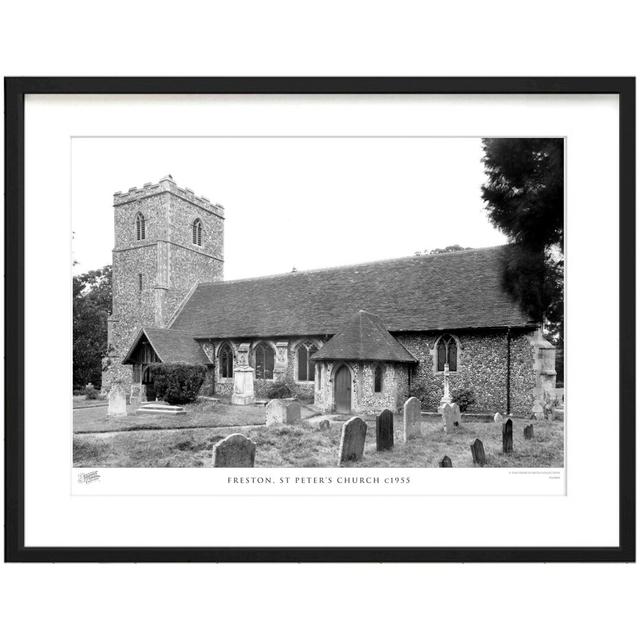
{"x":15,"y":91}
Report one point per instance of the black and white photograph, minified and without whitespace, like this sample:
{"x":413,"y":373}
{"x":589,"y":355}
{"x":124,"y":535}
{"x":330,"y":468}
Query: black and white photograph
{"x":349,"y":315}
{"x":320,"y":320}
{"x":350,"y":301}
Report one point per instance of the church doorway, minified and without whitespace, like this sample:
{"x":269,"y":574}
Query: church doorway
{"x":147,"y":385}
{"x":342,"y":390}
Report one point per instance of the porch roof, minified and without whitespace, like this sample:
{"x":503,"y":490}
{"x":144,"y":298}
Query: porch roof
{"x":364,"y":337}
{"x":170,"y":346}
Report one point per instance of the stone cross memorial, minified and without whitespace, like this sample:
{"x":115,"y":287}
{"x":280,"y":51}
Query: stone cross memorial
{"x":117,"y":401}
{"x":354,"y":432}
{"x":507,"y":436}
{"x":411,"y":418}
{"x":477,"y":452}
{"x":235,"y":450}
{"x":446,"y":393}
{"x":384,"y":431}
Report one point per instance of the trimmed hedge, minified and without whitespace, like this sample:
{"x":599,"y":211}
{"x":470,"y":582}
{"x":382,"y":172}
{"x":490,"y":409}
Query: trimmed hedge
{"x":177,"y":383}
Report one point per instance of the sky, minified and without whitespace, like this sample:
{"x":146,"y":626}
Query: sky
{"x":301,"y":203}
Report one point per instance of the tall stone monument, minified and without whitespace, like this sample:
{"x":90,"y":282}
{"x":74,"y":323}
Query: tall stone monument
{"x":243,"y":378}
{"x":446,"y":396}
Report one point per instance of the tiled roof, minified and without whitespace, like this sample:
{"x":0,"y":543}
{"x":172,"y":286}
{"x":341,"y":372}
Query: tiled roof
{"x":170,"y":346}
{"x":459,"y":290}
{"x":364,"y":337}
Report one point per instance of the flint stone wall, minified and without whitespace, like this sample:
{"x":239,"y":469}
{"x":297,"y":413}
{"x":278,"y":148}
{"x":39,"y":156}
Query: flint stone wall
{"x":482,"y":367}
{"x":288,"y":367}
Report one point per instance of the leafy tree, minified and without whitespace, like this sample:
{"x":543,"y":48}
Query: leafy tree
{"x":91,"y":308}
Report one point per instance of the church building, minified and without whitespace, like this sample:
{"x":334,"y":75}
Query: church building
{"x":350,"y":339}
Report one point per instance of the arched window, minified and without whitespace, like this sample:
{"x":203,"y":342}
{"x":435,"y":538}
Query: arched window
{"x":377,"y":379}
{"x":264,"y":357}
{"x":225,"y":358}
{"x":196,"y":231}
{"x":306,"y":366}
{"x":447,"y":353}
{"x":141,"y":231}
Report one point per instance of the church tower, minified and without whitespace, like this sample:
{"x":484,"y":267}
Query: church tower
{"x":166,"y":241}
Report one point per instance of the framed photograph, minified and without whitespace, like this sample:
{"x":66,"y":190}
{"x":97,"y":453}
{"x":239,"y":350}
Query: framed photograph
{"x":320,"y":319}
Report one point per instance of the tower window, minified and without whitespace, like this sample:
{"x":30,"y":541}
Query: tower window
{"x":306,"y":367}
{"x":139,"y":282}
{"x":447,"y":353}
{"x":377,"y":379}
{"x":141,"y":231}
{"x":196,"y":231}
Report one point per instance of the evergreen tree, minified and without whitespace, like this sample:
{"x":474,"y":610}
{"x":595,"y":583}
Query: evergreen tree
{"x":524,"y":196}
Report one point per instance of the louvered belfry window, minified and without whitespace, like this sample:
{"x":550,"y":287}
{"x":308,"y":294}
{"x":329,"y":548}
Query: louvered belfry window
{"x":196,"y":232}
{"x":141,"y":231}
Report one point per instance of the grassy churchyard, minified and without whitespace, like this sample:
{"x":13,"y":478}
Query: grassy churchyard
{"x":187,"y":441}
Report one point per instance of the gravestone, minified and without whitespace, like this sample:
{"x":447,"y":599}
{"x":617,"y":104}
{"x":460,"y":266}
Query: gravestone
{"x":384,"y":431}
{"x":538,"y":410}
{"x":447,"y":417}
{"x":446,"y":462}
{"x":457,"y":416}
{"x":276,"y":412}
{"x":235,"y":450}
{"x":477,"y":452}
{"x":293,"y":412}
{"x":324,"y":425}
{"x":135,"y":397}
{"x":354,"y":432}
{"x":117,"y":401}
{"x":528,"y":432}
{"x":411,"y":418}
{"x":507,"y":436}
{"x":497,"y":417}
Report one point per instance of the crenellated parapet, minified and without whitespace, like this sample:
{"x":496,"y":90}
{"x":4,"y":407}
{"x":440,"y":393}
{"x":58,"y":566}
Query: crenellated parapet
{"x":167,"y":185}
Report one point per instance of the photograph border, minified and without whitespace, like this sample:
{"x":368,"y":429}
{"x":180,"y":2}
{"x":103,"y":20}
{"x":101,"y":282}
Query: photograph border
{"x":15,"y":91}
